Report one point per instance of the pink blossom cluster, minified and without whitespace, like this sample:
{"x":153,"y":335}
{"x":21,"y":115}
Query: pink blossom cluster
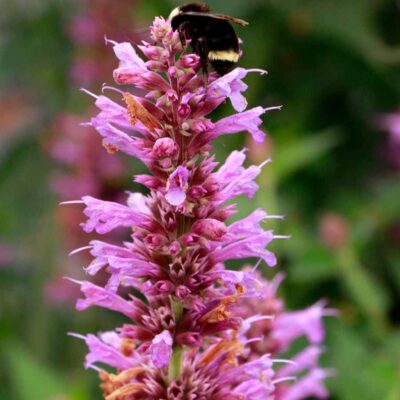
{"x":198,"y":330}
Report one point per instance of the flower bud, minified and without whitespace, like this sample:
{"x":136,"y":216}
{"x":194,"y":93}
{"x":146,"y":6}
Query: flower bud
{"x":163,"y":287}
{"x":174,"y":248}
{"x":189,"y":239}
{"x":171,"y":95}
{"x":189,"y":61}
{"x":152,"y":52}
{"x":189,"y":339}
{"x":172,"y":71}
{"x":210,"y":228}
{"x":165,"y":148}
{"x":197,"y":192}
{"x":159,"y":30}
{"x":182,"y":291}
{"x":184,"y":110}
{"x":154,"y":240}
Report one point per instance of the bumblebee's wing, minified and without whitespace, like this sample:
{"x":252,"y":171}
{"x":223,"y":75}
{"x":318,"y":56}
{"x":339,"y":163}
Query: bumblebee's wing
{"x":218,"y":16}
{"x":238,"y":21}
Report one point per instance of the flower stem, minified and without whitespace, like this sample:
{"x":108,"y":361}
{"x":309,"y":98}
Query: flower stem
{"x":174,"y":369}
{"x":177,"y":309}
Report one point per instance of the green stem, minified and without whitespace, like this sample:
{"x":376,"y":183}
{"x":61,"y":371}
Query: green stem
{"x":174,"y":369}
{"x":366,"y":293}
{"x":177,"y":309}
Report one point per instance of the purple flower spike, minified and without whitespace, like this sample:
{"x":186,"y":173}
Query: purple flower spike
{"x":198,"y":329}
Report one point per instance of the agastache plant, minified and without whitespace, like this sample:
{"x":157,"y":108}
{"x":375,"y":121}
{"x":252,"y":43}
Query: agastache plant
{"x":198,"y":330}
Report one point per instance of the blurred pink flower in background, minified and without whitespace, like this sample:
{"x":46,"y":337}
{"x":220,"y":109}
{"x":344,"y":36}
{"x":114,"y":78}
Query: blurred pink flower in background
{"x":334,"y":230}
{"x":390,"y":123}
{"x":59,"y":291}
{"x":87,"y":168}
{"x":82,"y":164}
{"x":7,"y":254}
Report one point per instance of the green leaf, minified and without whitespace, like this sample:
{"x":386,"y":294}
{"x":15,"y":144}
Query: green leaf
{"x":299,"y":153}
{"x":33,"y":380}
{"x":366,"y":291}
{"x":315,"y":266}
{"x":364,"y":371}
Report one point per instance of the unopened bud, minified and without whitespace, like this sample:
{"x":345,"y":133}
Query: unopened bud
{"x":210,"y":228}
{"x":189,"y":61}
{"x":165,"y":148}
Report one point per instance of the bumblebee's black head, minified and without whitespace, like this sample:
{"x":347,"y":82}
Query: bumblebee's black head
{"x":212,"y":35}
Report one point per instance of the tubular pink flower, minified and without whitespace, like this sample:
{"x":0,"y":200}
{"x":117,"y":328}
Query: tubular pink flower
{"x":291,"y":325}
{"x":250,"y":247}
{"x":309,"y":386}
{"x":109,"y":354}
{"x":307,"y":359}
{"x":161,"y":349}
{"x":100,"y":297}
{"x":127,"y":56}
{"x":104,"y":216}
{"x":116,"y":140}
{"x":177,"y":186}
{"x":231,"y":85}
{"x":246,"y":121}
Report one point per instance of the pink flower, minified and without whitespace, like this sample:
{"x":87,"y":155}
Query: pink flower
{"x":105,"y":353}
{"x":291,"y":325}
{"x":100,"y":297}
{"x":177,"y":186}
{"x":246,"y":121}
{"x":310,"y":385}
{"x":161,"y":349}
{"x":231,"y":85}
{"x":104,"y":216}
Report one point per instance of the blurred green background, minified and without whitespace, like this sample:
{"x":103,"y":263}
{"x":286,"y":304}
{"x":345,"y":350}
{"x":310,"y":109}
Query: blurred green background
{"x":333,"y":64}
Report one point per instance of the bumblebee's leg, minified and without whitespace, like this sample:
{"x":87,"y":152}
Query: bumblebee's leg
{"x":202,"y":51}
{"x":182,"y":29}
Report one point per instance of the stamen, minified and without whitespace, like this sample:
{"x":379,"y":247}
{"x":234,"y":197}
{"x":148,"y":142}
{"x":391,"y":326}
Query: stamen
{"x":79,"y":250}
{"x":274,"y":217}
{"x":261,"y":71}
{"x":267,"y":161}
{"x":257,"y":264}
{"x":113,"y":42}
{"x":113,"y":89}
{"x":76,"y":335}
{"x":73,"y":280}
{"x":279,"y":108}
{"x":287,"y":378}
{"x":283,"y":361}
{"x":89,"y":93}
{"x":256,"y":339}
{"x":66,"y":203}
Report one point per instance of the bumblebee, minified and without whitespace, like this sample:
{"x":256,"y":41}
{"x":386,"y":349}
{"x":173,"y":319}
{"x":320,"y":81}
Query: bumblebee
{"x":211,"y":35}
